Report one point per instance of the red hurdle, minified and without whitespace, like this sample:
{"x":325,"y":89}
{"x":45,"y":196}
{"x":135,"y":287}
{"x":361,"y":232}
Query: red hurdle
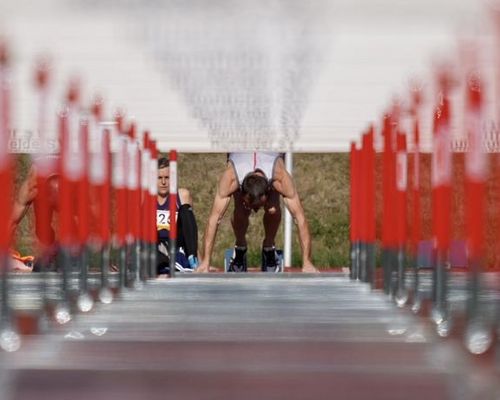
{"x":173,"y":209}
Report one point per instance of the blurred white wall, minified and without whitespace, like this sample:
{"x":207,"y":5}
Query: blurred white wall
{"x":230,"y":75}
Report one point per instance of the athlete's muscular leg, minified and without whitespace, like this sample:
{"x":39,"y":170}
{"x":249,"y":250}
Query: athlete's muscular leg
{"x":272,"y":218}
{"x":239,"y":221}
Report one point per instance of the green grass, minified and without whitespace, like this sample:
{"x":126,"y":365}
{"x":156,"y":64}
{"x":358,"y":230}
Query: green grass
{"x":24,"y":237}
{"x":322,"y":181}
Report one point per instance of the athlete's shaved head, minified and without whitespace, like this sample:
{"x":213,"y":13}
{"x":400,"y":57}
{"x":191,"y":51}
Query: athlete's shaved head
{"x":254,"y":189}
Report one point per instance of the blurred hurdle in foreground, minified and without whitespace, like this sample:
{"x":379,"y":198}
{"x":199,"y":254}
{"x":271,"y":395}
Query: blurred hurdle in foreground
{"x":94,"y":206}
{"x":447,"y":220}
{"x":9,"y":340}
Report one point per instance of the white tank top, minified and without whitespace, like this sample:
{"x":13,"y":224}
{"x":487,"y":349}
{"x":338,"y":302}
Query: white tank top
{"x":244,"y":163}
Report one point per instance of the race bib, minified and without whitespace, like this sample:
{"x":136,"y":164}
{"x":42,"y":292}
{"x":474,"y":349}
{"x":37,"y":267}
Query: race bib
{"x":163,"y":219}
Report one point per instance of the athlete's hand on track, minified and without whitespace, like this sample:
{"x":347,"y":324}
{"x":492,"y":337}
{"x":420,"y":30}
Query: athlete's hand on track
{"x":310,"y":269}
{"x":203,"y":268}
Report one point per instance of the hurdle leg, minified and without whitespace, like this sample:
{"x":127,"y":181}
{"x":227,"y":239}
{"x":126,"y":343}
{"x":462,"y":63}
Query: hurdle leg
{"x":9,"y":338}
{"x":173,"y":250}
{"x":153,"y":272}
{"x":479,"y":330}
{"x":440,"y":311}
{"x":370,"y":264}
{"x":362,"y":271}
{"x":43,"y":319}
{"x":62,"y":311}
{"x":122,"y":267}
{"x":386,"y":266}
{"x":136,"y":265}
{"x":355,"y":256}
{"x":105,"y":294}
{"x":84,"y":301}
{"x":144,"y":268}
{"x":401,"y":294}
{"x":390,"y":263}
{"x":417,"y":300}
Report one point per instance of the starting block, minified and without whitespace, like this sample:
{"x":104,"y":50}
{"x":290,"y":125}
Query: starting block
{"x":228,"y":254}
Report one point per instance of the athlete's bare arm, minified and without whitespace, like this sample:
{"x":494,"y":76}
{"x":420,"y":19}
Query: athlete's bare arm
{"x":227,"y":185}
{"x":283,"y":183}
{"x":185,"y":196}
{"x":27,"y":193}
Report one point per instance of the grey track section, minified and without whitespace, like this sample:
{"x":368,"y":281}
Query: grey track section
{"x":255,"y":335}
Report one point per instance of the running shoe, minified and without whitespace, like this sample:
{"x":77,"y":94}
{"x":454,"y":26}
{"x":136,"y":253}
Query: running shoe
{"x":270,"y":260}
{"x":238,"y":261}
